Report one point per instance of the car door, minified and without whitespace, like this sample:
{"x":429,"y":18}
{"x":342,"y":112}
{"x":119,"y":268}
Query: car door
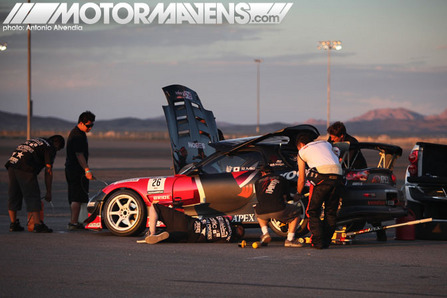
{"x":228,"y":180}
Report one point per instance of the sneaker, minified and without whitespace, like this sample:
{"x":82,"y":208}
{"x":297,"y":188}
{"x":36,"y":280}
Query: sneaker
{"x":265,"y":239}
{"x":75,"y":227}
{"x":293,"y":243}
{"x":152,"y":239}
{"x":16,"y":227}
{"x":42,"y":228}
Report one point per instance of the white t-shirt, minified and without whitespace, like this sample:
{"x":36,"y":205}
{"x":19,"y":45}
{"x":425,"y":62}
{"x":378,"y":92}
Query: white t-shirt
{"x":319,"y":155}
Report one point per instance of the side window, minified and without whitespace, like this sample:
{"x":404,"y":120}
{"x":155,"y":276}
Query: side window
{"x":243,"y":161}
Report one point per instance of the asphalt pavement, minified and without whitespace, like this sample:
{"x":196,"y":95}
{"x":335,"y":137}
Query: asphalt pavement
{"x":99,"y":264}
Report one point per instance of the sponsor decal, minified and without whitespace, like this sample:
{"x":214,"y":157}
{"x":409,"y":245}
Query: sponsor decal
{"x":230,"y":169}
{"x":196,"y":145}
{"x":292,"y":175}
{"x":246,"y":191}
{"x":244,"y":177}
{"x":184,"y":94}
{"x":277,"y":163}
{"x":156,"y":185}
{"x":65,"y":16}
{"x":244,"y":218}
{"x":161,"y":198}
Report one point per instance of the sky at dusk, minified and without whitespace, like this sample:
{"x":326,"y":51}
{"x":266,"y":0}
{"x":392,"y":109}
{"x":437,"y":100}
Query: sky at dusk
{"x":394,"y":56}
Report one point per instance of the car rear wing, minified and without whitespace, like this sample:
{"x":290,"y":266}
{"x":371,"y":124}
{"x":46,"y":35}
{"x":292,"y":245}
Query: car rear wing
{"x":388,"y":154}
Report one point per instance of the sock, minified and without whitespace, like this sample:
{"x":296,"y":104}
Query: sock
{"x":265,"y":230}
{"x":290,"y":236}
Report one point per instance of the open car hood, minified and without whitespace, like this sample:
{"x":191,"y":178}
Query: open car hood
{"x":191,"y":127}
{"x":194,"y":134}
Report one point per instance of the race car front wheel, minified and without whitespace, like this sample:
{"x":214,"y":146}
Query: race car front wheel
{"x":281,"y":228}
{"x":125,"y":214}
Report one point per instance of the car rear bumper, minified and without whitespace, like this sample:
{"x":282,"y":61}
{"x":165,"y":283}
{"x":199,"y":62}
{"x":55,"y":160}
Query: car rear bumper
{"x":430,"y":193}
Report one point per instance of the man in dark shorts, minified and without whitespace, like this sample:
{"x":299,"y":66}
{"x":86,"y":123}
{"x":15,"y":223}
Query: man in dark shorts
{"x":24,"y":166}
{"x":77,"y":171}
{"x":272,"y":192}
{"x":183,"y":228}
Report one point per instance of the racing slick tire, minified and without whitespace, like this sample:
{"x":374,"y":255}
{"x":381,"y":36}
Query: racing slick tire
{"x":125,"y":214}
{"x":281,"y":228}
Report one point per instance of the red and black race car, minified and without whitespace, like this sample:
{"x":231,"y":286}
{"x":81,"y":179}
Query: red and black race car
{"x":216,"y":177}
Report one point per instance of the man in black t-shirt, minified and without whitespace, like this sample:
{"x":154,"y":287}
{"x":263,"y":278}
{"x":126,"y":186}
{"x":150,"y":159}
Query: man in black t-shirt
{"x":24,"y":166}
{"x":337,"y":133}
{"x":77,"y":171}
{"x":184,"y":228}
{"x":272,"y":192}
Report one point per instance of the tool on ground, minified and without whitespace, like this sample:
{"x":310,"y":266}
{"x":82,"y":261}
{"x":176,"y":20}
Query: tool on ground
{"x":254,"y":245}
{"x":343,"y":237}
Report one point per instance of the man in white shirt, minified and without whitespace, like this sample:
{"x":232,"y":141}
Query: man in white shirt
{"x":326,"y":187}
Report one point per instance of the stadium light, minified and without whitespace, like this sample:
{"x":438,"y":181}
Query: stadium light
{"x":328,"y":46}
{"x":3,"y":46}
{"x":258,"y":62}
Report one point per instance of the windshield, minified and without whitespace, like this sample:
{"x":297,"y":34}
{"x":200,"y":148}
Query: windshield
{"x":243,"y":161}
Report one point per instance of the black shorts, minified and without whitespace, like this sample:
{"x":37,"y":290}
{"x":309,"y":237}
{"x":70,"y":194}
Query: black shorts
{"x":179,"y":225}
{"x":78,"y":186}
{"x":286,"y":215}
{"x":23,"y":185}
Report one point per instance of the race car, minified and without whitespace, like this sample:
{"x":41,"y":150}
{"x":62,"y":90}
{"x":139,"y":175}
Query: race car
{"x":216,"y":177}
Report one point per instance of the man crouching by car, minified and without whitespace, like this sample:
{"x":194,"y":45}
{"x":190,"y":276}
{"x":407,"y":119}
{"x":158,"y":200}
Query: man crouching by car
{"x":184,"y":228}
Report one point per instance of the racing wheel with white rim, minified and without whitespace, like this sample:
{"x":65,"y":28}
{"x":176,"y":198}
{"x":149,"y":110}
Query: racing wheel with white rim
{"x":125,"y":214}
{"x":281,"y":228}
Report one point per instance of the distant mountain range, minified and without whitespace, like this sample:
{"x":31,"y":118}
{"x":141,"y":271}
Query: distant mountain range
{"x":392,"y":122}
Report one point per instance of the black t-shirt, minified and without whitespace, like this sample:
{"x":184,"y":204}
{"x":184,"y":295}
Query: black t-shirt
{"x":32,"y":156}
{"x":360,"y":161}
{"x":76,"y":142}
{"x":270,"y":191}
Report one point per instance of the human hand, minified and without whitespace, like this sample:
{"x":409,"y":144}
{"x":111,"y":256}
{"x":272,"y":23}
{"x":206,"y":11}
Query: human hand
{"x":89,"y":175}
{"x":48,"y":197}
{"x":298,"y":197}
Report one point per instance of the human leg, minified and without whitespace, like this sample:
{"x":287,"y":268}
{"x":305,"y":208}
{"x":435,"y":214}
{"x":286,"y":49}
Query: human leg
{"x":153,"y":218}
{"x":75,"y":208}
{"x":316,"y":198}
{"x":332,"y":203}
{"x":14,"y":195}
{"x":77,"y":195}
{"x":263,"y":223}
{"x":177,"y":224}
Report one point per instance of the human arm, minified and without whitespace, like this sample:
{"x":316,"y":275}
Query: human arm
{"x":301,"y":175}
{"x":48,"y":181}
{"x":84,"y":165}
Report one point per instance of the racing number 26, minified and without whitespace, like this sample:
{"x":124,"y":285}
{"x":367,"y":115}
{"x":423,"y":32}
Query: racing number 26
{"x":156,"y":185}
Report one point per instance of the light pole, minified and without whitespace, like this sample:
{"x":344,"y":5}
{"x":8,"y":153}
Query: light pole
{"x":328,"y":46}
{"x":258,"y":62}
{"x":28,"y":122}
